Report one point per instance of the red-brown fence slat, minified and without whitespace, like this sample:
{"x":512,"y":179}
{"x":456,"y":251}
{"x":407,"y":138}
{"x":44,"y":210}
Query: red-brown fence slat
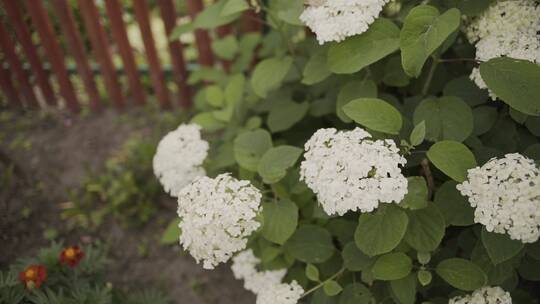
{"x":6,"y":85}
{"x":76,"y":47}
{"x":202,"y":38}
{"x":251,"y":21}
{"x":156,"y":74}
{"x":15,"y":67}
{"x":23,"y":34}
{"x":176,"y":49}
{"x":119,"y":34}
{"x":43,"y":26}
{"x":100,"y":46}
{"x":223,"y":31}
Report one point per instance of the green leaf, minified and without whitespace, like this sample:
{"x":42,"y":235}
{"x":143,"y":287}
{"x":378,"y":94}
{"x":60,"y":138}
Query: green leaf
{"x":455,"y":208}
{"x":280,"y":220}
{"x":380,"y":232}
{"x":316,"y":69}
{"x":499,"y":246}
{"x":484,"y":119}
{"x":234,"y":6}
{"x":405,"y":289}
{"x":424,"y":277}
{"x":250,"y":146}
{"x":332,"y":288}
{"x":225,"y":48}
{"x":207,"y":121}
{"x":424,"y":30}
{"x":214,"y":95}
{"x":357,"y":52}
{"x":353,"y":90}
{"x":461,"y":274}
{"x":285,"y":115}
{"x":212,"y":16}
{"x":394,"y":75}
{"x":291,"y":12}
{"x":310,"y":244}
{"x":375,"y":114}
{"x":452,"y":158}
{"x":426,"y":228}
{"x":234,"y":90}
{"x":171,"y":235}
{"x":417,"y":194}
{"x":275,"y":162}
{"x":464,"y":88}
{"x":446,"y":118}
{"x":470,"y":8}
{"x":418,"y":134}
{"x":312,"y":272}
{"x":356,"y":293}
{"x":392,"y":266}
{"x":320,"y":297}
{"x":354,"y":259}
{"x":515,"y":82}
{"x":268,"y":75}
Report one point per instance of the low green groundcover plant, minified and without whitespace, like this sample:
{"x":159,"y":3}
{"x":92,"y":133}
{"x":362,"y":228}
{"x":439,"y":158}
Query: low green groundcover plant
{"x":387,"y":154}
{"x":67,"y":275}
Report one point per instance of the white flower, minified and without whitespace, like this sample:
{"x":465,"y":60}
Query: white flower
{"x":179,"y":157}
{"x":506,"y":195}
{"x":266,"y":285}
{"x":484,"y":295}
{"x":507,"y":28}
{"x":217,"y":215}
{"x":335,"y":20}
{"x":350,"y":171}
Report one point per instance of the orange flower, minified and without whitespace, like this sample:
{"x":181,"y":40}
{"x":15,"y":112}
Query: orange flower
{"x":33,"y":276}
{"x":71,"y":255}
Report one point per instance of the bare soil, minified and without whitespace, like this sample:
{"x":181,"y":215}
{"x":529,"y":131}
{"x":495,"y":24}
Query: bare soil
{"x":51,"y":153}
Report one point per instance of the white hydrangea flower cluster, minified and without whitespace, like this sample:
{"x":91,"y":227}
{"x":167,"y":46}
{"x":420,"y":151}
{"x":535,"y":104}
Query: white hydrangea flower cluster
{"x":348,"y":170}
{"x":217,"y":215}
{"x":266,"y":285}
{"x":508,"y":28}
{"x":506,"y":194}
{"x":484,"y":295}
{"x":179,"y":158}
{"x":335,"y":20}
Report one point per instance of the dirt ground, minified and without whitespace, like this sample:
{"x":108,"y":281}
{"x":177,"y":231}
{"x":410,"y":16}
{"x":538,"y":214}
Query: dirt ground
{"x":51,"y":153}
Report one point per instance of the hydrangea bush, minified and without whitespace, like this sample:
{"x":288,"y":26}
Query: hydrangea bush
{"x":368,"y":151}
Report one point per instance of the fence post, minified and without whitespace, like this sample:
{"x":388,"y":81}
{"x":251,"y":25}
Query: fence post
{"x":202,"y":37}
{"x":176,"y":50}
{"x":44,"y":27}
{"x":100,"y":46}
{"x":75,"y":44}
{"x":119,"y":34}
{"x":156,"y":74}
{"x":15,"y":66}
{"x":23,"y":34}
{"x":7,"y":87}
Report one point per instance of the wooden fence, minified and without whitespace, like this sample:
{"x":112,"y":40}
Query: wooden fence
{"x":23,"y":19}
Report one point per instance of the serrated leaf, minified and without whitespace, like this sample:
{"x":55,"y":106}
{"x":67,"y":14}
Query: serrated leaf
{"x":310,"y":244}
{"x":424,"y":30}
{"x":461,"y":274}
{"x":274,"y":163}
{"x":249,"y":147}
{"x":452,"y":158}
{"x":268,"y":74}
{"x":280,"y":220}
{"x":392,"y":266}
{"x":380,"y":232}
{"x":499,"y":246}
{"x":357,"y":52}
{"x":375,"y":114}
{"x":515,"y":82}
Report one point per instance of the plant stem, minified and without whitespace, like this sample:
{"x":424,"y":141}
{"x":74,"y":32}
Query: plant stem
{"x":430,"y":76}
{"x":429,"y":177}
{"x":335,"y":275}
